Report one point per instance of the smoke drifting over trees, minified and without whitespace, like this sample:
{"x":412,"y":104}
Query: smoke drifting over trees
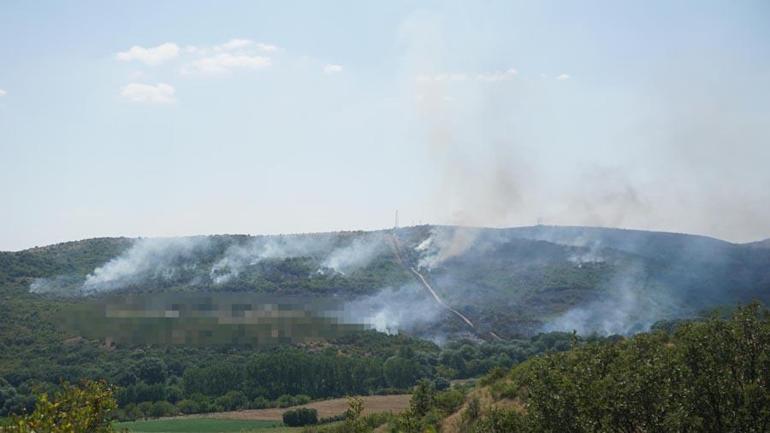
{"x":507,"y":281}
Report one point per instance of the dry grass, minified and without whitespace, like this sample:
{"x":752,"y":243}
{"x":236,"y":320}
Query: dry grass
{"x":326,"y":408}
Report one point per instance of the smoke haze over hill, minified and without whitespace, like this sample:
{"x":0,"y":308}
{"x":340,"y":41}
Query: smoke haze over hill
{"x":507,"y":281}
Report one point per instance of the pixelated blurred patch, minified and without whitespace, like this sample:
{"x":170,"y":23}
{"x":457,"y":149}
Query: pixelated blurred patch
{"x":217,"y":319}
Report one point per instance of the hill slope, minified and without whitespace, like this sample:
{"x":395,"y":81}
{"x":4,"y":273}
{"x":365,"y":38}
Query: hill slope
{"x":510,"y":281}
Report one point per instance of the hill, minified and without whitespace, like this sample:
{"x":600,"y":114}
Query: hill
{"x":516,"y":281}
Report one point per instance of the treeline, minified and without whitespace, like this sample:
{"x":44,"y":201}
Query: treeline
{"x":165,"y":381}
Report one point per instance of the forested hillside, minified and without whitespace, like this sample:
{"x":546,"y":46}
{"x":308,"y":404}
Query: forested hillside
{"x":517,"y":281}
{"x":525,"y":290}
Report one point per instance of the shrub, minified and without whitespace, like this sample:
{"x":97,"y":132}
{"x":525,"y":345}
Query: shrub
{"x":450,"y":400}
{"x":260,"y":403}
{"x":301,"y":399}
{"x":441,"y":384}
{"x":233,"y":400}
{"x":162,"y":408}
{"x":84,"y":408}
{"x":188,"y":406}
{"x":500,"y":421}
{"x":284,"y":401}
{"x":300,"y":417}
{"x":144,"y":408}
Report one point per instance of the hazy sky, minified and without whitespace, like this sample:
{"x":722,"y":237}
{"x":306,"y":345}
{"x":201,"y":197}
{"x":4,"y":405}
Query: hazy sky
{"x":177,"y":117}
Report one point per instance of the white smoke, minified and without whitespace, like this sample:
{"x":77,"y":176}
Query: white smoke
{"x":391,"y":311}
{"x":628,"y":307}
{"x":357,"y":254}
{"x":590,"y":252}
{"x":339,"y":258}
{"x":445,"y":243}
{"x":161,"y":258}
{"x":188,"y":260}
{"x":239,"y":257}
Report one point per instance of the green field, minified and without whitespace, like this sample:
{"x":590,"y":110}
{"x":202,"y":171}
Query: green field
{"x":201,"y":425}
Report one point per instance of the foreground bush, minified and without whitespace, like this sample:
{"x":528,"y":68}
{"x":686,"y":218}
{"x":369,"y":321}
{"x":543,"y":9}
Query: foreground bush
{"x":85,"y":408}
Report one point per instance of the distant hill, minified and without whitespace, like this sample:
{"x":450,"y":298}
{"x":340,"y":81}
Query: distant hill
{"x":760,"y":244}
{"x":507,"y":281}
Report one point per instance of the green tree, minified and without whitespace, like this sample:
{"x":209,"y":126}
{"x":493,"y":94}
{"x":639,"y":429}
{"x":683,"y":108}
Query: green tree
{"x":85,"y":408}
{"x":151,"y":370}
{"x":401,"y":372}
{"x":422,"y":399}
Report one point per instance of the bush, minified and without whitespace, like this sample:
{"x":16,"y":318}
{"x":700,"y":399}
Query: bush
{"x":300,"y":417}
{"x":284,"y":401}
{"x":162,"y":408}
{"x":441,"y":384}
{"x":450,"y":400}
{"x":128,"y":413}
{"x":84,"y":408}
{"x":144,"y":408}
{"x":260,"y":403}
{"x":301,"y":399}
{"x":188,"y":406}
{"x":500,"y":421}
{"x":233,"y":400}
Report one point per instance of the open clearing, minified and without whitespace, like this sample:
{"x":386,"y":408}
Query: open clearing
{"x":326,"y":408}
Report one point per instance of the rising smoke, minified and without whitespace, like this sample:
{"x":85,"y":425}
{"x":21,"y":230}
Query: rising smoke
{"x":681,"y":152}
{"x":394,"y":310}
{"x":199,"y":261}
{"x":626,"y":306}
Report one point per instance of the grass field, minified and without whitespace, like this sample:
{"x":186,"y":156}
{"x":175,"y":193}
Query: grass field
{"x":260,"y":420}
{"x":326,"y":408}
{"x":202,"y":425}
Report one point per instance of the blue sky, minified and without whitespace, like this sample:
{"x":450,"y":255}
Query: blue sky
{"x":176,"y":117}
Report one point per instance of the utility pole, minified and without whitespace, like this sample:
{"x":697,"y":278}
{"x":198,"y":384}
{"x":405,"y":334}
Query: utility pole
{"x":396,"y":226}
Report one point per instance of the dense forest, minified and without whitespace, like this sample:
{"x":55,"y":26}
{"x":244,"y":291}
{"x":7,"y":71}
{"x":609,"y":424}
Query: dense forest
{"x":710,"y":375}
{"x":38,"y":355}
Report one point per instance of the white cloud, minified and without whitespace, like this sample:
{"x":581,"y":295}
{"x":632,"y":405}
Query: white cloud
{"x":497,"y":76}
{"x":234,"y":44}
{"x":266,"y":47}
{"x":240,"y":45}
{"x":225,"y":62}
{"x":332,"y":69}
{"x":563,"y":77}
{"x":150,"y":56}
{"x":3,"y":92}
{"x":487,"y":77}
{"x":442,"y":77}
{"x":158,"y":94}
{"x":137,"y":75}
